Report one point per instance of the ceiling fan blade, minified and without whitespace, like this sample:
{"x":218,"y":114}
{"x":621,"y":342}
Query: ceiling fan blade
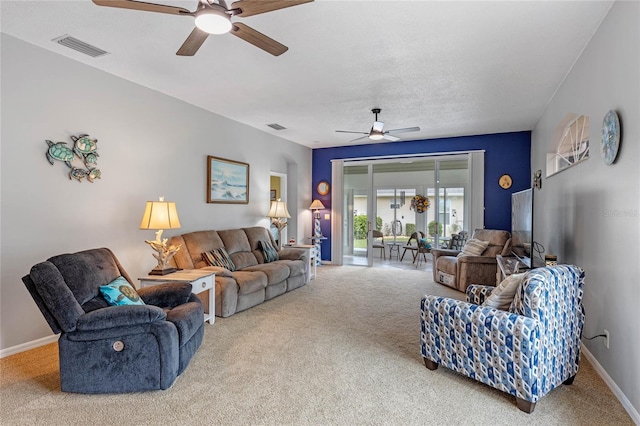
{"x":258,"y":39}
{"x":357,"y":139}
{"x":377,"y":126}
{"x":192,"y":43}
{"x":146,"y":7}
{"x":405,"y":130}
{"x":390,"y":137}
{"x":348,"y":131}
{"x":255,"y":7}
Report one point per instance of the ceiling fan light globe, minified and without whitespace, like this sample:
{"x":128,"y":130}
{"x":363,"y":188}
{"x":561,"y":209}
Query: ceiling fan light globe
{"x":376,"y":136}
{"x":213,"y":21}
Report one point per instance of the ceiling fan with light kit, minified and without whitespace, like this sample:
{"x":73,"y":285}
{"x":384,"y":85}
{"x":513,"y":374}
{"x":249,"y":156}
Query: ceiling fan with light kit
{"x":214,"y":17}
{"x":377,"y":131}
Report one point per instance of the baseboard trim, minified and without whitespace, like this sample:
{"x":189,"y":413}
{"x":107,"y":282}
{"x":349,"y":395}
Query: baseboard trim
{"x":633,"y":413}
{"x":28,"y":345}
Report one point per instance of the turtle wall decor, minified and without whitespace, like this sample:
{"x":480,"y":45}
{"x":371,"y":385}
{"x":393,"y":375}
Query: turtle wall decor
{"x":82,"y":158}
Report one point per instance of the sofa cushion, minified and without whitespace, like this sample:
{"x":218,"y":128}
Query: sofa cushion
{"x":219,"y":257}
{"x":250,"y":281}
{"x":269,"y":252}
{"x":296,"y":267}
{"x":502,"y":296}
{"x":238,"y":247}
{"x":197,"y":243}
{"x":255,"y":234}
{"x":119,"y":292}
{"x":276,"y":272}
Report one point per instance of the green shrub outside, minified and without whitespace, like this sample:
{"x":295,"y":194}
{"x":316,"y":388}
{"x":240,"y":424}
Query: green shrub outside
{"x":360,"y":226}
{"x":409,"y":228}
{"x":432,"y":227}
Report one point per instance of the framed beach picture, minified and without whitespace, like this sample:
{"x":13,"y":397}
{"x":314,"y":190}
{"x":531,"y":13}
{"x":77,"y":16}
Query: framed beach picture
{"x":227,"y":181}
{"x":273,"y":195}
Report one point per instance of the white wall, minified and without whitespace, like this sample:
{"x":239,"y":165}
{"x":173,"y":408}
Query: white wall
{"x":589,"y":215}
{"x":149,"y":144}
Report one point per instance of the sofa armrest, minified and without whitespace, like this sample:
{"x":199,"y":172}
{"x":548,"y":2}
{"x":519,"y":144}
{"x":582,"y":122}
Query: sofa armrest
{"x":292,"y":254}
{"x":167,"y":295}
{"x":219,"y":270}
{"x":477,"y":293}
{"x":119,"y":316}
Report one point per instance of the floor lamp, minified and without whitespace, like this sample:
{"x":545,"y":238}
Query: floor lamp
{"x":317,"y":231}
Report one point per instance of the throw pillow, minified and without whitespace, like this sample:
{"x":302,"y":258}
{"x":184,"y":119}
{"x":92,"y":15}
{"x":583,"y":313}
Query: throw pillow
{"x":119,"y":292}
{"x":269,"y":251}
{"x":473,"y":247}
{"x":219,"y":257}
{"x":502,"y":296}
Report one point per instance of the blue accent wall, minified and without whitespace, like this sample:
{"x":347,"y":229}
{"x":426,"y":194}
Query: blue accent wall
{"x":504,"y":153}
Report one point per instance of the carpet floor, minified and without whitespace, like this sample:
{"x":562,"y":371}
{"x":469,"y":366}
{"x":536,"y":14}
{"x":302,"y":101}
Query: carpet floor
{"x":343,"y":350}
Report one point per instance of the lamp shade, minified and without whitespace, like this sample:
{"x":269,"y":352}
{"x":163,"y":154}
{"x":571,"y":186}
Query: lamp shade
{"x":316,"y":205}
{"x":160,"y":215}
{"x":278,"y":209}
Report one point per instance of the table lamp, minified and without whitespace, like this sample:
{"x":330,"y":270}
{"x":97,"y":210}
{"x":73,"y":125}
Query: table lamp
{"x":161,"y":215}
{"x":277,"y":213}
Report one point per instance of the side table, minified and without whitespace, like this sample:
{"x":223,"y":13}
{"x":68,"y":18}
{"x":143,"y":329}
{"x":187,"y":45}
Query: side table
{"x":200,"y":280}
{"x":311,"y":253}
{"x":508,"y":265}
{"x":394,"y":247}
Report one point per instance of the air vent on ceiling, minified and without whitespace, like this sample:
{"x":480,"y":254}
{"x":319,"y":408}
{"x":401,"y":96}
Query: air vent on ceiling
{"x":276,"y":126}
{"x":80,"y":46}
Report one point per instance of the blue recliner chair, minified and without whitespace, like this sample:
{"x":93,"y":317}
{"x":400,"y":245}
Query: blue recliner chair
{"x":526,"y":351}
{"x":114,"y":349}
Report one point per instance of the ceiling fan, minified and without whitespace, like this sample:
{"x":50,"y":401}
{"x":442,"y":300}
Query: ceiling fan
{"x":214,"y":17}
{"x":377,"y":131}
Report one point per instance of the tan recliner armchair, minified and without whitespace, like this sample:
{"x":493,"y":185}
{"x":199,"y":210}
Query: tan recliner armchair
{"x":460,"y":272}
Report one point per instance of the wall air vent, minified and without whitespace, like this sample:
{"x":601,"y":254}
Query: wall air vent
{"x":80,"y":46}
{"x":276,"y":126}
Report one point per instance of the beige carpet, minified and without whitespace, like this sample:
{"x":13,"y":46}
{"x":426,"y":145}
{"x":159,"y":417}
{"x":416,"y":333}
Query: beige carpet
{"x":343,"y":350}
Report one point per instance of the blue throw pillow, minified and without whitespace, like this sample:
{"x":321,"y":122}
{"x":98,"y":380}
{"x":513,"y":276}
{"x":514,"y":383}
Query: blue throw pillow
{"x":269,"y":252}
{"x":424,"y":243}
{"x":119,"y":292}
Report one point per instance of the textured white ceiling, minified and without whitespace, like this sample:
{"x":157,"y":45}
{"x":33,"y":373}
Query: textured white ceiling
{"x":451,"y":68}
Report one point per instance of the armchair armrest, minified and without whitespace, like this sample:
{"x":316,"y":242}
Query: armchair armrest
{"x":443,"y":252}
{"x":477,"y":293}
{"x":292,"y":254}
{"x":119,"y":316}
{"x":167,"y":295}
{"x":486,"y":260}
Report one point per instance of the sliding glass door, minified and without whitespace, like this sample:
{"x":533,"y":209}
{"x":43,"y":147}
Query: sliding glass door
{"x":357,"y":205}
{"x":377,"y":196}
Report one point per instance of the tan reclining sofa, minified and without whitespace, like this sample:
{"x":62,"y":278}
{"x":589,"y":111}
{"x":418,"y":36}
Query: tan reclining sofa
{"x":254,"y":280}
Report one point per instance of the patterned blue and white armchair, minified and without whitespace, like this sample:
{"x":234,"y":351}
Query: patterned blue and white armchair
{"x":526,"y":351}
